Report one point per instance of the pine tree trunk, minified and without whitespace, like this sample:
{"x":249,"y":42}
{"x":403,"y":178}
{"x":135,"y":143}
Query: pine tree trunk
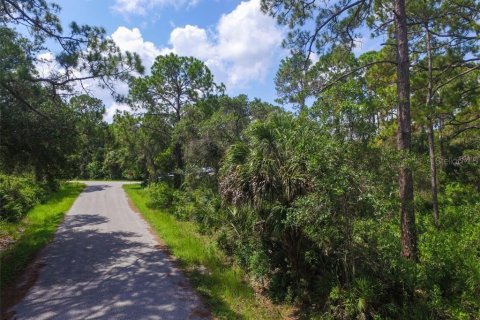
{"x":431,"y":134}
{"x":407,"y":212}
{"x":433,"y":173}
{"x":177,"y":151}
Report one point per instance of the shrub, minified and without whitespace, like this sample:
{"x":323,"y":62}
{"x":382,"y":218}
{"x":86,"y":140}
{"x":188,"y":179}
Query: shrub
{"x":160,"y":195}
{"x":18,"y":195}
{"x":457,"y":194}
{"x":95,"y":170}
{"x":450,"y":270}
{"x":207,"y":212}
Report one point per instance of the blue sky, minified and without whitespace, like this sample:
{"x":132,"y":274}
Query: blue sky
{"x":241,"y":45}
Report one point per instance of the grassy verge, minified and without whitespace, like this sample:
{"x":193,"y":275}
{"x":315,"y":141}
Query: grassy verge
{"x":223,"y":287}
{"x":33,"y":232}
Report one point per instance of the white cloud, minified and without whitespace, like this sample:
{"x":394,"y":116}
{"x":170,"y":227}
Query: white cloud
{"x":45,"y":64}
{"x":46,"y":56}
{"x":193,"y":41}
{"x":141,"y":7}
{"x":132,"y":40}
{"x":242,"y":47}
{"x":240,"y":50}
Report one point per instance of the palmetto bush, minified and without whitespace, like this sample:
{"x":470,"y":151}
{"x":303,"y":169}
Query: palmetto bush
{"x":311,"y":220}
{"x":305,"y":193}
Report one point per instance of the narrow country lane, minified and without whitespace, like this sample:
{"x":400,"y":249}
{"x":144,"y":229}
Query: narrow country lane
{"x":103,"y":264}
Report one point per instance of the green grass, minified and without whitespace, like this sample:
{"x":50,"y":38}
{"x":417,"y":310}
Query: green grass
{"x":226,"y":292}
{"x":33,"y":232}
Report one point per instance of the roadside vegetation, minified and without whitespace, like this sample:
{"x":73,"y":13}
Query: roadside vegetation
{"x":322,"y":227}
{"x":222,"y":285}
{"x":18,"y":194}
{"x":23,"y":237}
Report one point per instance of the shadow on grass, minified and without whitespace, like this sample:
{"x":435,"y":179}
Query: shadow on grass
{"x":204,"y":284}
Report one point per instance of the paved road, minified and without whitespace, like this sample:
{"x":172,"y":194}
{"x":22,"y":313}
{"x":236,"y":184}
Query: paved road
{"x":103,"y":264}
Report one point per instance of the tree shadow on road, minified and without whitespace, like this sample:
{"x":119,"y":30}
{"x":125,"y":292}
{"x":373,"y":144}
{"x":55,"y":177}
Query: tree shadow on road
{"x":96,"y":188}
{"x":95,"y":274}
{"x":82,"y":220}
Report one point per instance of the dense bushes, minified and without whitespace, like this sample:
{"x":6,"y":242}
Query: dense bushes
{"x":306,"y":216}
{"x":449,"y":272}
{"x":160,"y":195}
{"x":311,"y":204}
{"x":358,"y":272}
{"x":18,"y":195}
{"x":348,"y":270}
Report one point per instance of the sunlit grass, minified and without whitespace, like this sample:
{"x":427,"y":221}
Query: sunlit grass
{"x":223,"y":287}
{"x":33,"y":232}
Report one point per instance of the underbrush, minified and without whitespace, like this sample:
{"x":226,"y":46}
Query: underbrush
{"x":223,"y":285}
{"x":31,"y":233}
{"x":18,"y":194}
{"x":346,"y":268}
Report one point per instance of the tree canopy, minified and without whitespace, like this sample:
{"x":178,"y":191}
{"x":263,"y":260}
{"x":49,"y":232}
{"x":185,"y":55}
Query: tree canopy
{"x":356,"y":197}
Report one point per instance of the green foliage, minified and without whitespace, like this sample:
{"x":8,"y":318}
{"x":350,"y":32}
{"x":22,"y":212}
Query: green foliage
{"x":305,"y":193}
{"x":18,"y":195}
{"x":457,"y":194}
{"x":304,"y":213}
{"x":449,"y":275}
{"x":46,"y":127}
{"x":207,"y":211}
{"x":85,"y":48}
{"x":160,"y":195}
{"x":86,"y":162}
{"x":175,"y":82}
{"x":33,"y":232}
{"x":223,"y":287}
{"x":292,"y":83}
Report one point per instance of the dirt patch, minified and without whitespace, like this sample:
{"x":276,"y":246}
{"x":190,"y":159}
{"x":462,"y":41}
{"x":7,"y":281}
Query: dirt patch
{"x":5,"y":242}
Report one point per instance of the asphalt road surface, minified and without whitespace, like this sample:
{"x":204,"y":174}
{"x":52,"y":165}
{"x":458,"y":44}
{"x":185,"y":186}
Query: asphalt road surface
{"x":104,"y":264}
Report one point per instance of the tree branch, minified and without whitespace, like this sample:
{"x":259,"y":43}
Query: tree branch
{"x":330,"y":18}
{"x":23,"y":101}
{"x":456,"y":77}
{"x":353,"y":71}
